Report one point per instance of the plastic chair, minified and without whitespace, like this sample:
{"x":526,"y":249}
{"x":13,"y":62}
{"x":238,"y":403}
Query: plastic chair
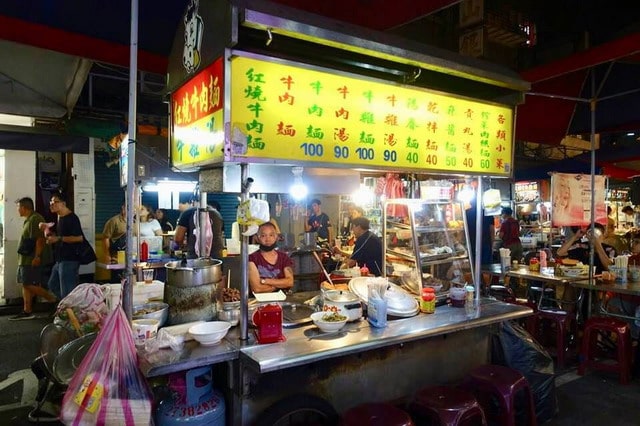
{"x":447,"y":406}
{"x":376,"y":414}
{"x":590,"y":355}
{"x":501,"y":384}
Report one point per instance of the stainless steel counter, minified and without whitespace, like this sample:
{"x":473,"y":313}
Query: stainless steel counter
{"x":305,"y":344}
{"x":192,"y":355}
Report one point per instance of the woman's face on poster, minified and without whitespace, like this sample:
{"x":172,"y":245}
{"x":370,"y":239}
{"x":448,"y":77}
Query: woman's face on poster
{"x":562,"y":195}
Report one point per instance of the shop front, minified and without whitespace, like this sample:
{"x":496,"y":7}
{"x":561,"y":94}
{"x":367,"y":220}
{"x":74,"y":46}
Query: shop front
{"x":267,"y":98}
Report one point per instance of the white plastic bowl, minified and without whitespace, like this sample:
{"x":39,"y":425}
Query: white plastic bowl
{"x":209,"y":333}
{"x":327,"y":326}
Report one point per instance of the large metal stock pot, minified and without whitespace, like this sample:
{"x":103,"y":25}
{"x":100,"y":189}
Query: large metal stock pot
{"x":196,"y":272}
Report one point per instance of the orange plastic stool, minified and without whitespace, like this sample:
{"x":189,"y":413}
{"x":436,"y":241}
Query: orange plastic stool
{"x":376,"y":414}
{"x":446,"y":406}
{"x":589,"y":349}
{"x":502,"y":384}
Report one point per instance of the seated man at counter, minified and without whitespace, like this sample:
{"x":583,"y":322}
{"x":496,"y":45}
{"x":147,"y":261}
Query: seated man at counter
{"x":269,"y":269}
{"x":367,"y":249}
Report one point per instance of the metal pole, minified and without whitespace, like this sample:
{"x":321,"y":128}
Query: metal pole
{"x":592,"y":104}
{"x":478,"y":248}
{"x":203,"y":215}
{"x":245,"y":181}
{"x":127,"y":290}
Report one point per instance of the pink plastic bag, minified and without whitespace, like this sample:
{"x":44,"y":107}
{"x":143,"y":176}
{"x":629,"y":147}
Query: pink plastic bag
{"x":108,"y":388}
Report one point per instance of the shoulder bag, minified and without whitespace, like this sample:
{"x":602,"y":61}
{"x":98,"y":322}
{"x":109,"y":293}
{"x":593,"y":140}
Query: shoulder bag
{"x":86,"y":254}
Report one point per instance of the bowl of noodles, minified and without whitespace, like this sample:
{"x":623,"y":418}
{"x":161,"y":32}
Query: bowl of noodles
{"x":329,"y":321}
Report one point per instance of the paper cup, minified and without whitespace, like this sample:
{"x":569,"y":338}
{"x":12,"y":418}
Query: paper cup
{"x":144,"y":329}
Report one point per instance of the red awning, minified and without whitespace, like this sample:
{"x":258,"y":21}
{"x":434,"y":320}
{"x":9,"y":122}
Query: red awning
{"x":544,"y":119}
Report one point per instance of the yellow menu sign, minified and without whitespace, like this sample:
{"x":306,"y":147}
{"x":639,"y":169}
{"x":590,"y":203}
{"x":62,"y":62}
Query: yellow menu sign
{"x":197,"y":130}
{"x":292,"y":113}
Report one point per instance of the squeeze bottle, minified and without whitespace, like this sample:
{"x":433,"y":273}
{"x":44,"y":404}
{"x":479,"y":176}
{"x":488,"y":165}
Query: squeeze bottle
{"x":144,"y":251}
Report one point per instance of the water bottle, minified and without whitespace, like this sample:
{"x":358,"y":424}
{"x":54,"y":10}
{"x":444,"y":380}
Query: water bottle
{"x":543,"y":259}
{"x":470,"y":301}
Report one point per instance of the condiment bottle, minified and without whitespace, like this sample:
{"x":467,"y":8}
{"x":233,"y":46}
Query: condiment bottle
{"x":144,"y":251}
{"x":534,"y":265}
{"x":469,"y":300}
{"x":428,"y":300}
{"x":364,"y":271}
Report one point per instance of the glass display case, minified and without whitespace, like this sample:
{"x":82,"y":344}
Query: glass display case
{"x":426,"y":244}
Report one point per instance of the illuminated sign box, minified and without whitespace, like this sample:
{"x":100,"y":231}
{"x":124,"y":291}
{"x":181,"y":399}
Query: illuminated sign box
{"x":292,"y":113}
{"x":197,"y":129}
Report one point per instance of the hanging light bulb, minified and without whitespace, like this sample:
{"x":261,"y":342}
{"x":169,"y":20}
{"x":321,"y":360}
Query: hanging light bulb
{"x":298,"y":190}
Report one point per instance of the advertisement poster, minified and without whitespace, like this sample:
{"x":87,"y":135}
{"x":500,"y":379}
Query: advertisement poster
{"x":571,"y":199}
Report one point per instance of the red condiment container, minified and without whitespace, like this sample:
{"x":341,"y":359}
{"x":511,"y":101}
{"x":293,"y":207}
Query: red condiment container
{"x":428,"y":300}
{"x":534,"y":264}
{"x":144,"y":251}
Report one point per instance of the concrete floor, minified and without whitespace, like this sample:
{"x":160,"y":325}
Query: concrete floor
{"x":595,"y":399}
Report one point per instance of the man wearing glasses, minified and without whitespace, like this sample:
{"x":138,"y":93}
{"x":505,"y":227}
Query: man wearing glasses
{"x":66,"y":238}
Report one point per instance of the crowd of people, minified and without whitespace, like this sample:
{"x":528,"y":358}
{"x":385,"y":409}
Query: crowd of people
{"x":50,"y":269}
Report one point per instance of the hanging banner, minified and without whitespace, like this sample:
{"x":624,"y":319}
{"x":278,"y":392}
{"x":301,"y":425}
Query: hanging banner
{"x":197,"y":130}
{"x":571,"y":199}
{"x":287,"y":112}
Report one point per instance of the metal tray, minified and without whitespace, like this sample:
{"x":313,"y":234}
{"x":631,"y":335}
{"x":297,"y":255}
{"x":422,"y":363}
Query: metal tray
{"x":296,"y":314}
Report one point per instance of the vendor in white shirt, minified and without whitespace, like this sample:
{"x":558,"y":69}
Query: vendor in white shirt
{"x":149,"y":226}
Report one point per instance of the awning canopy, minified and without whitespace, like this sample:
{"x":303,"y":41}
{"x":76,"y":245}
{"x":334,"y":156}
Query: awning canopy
{"x":559,"y":101}
{"x":606,"y":77}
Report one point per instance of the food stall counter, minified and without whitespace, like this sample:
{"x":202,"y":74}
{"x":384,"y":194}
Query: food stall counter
{"x":305,"y":344}
{"x":192,"y":355}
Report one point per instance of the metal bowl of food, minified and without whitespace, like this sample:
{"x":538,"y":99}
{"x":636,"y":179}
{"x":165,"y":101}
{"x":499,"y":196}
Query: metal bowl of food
{"x":152,"y":310}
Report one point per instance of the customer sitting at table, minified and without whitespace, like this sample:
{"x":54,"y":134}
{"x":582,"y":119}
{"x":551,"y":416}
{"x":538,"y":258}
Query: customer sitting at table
{"x":577,"y":247}
{"x":626,"y":304}
{"x":269,"y":269}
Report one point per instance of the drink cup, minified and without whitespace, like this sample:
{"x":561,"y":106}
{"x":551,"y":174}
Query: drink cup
{"x":634,"y":273}
{"x":147,"y":275}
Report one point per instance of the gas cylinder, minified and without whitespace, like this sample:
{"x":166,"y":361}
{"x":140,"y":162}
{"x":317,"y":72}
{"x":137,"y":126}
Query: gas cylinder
{"x":193,"y":401}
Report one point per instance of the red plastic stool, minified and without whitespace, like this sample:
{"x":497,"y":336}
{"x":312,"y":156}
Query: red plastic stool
{"x":562,"y":321}
{"x":448,"y":406}
{"x":502,"y":384}
{"x":376,"y":414}
{"x":589,"y":349}
{"x":530,"y":323}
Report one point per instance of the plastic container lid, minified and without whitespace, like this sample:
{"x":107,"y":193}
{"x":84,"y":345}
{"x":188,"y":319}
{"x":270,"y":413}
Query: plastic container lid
{"x":428,"y":290}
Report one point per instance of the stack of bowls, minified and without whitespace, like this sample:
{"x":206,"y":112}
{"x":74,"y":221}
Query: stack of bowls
{"x":230,"y":312}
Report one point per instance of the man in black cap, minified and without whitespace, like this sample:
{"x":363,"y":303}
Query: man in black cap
{"x":510,"y":234}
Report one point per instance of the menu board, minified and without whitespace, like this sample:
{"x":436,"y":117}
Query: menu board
{"x":292,"y":113}
{"x":197,"y":129}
